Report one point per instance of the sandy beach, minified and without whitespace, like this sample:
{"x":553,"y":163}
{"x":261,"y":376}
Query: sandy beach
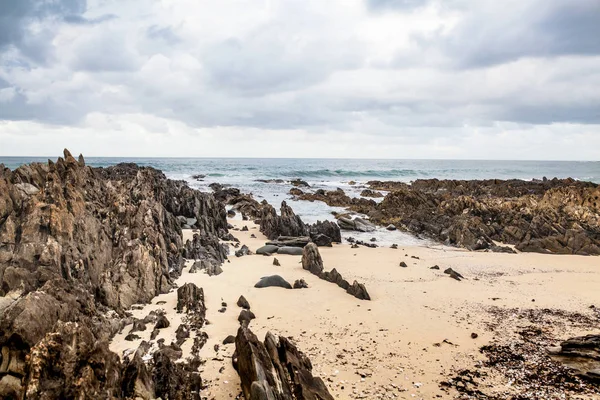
{"x":414,"y":333}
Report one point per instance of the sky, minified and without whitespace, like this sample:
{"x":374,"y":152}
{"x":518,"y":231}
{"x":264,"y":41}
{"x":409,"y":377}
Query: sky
{"x":448,"y":79}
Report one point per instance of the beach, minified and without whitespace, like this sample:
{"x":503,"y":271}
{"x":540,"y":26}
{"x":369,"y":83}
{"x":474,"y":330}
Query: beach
{"x":415,"y":332}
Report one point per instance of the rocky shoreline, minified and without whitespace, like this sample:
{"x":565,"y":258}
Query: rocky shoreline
{"x":83,"y":250}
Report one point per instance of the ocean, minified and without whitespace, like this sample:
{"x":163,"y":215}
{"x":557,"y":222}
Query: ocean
{"x":330,"y":174}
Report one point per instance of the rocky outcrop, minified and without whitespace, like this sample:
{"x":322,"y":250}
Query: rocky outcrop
{"x":356,"y":224}
{"x":371,"y":193}
{"x":79,"y":245}
{"x":582,"y":355}
{"x":550,"y":216}
{"x":338,"y":198}
{"x":312,"y":261}
{"x":275,"y":369}
{"x":326,"y":231}
{"x":285,"y":224}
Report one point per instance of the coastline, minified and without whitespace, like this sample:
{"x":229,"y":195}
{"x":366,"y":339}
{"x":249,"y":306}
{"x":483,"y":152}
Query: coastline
{"x":396,"y":340}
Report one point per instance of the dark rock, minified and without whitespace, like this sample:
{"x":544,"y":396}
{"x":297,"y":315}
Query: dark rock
{"x":300,"y":284}
{"x":292,"y":251}
{"x":453,"y":274}
{"x":356,"y":224}
{"x":288,"y":241}
{"x":162,"y":322}
{"x":296,"y":192}
{"x":246,"y":316}
{"x":326,"y":228}
{"x":273,"y":281}
{"x":403,"y":264}
{"x":244,"y":228}
{"x":276,"y":262}
{"x":582,"y":356}
{"x":394,"y":246}
{"x":359,"y":291}
{"x":243,"y":251}
{"x":321,"y":240}
{"x":182,"y":333}
{"x":370,"y":193}
{"x":229,"y":339}
{"x":474,"y":335}
{"x":286,"y":224}
{"x":230,"y":213}
{"x":242,"y":302}
{"x":267,"y":250}
{"x":131,"y":337}
{"x":311,"y":259}
{"x":299,"y":182}
{"x":275,"y":369}
{"x":435,"y":267}
{"x":391,"y":227}
{"x":502,"y":249}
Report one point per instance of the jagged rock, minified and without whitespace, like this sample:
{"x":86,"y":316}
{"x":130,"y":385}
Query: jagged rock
{"x":271,"y":281}
{"x":190,"y":299}
{"x":276,"y":262}
{"x":267,"y":250}
{"x":359,"y":291}
{"x":173,"y":380}
{"x":453,"y":274}
{"x":244,"y":228}
{"x":321,"y":240}
{"x":242,"y":302}
{"x":291,"y":251}
{"x":182,"y":333}
{"x":370,"y":193}
{"x":334,"y":276}
{"x":138,"y":326}
{"x":275,"y":369}
{"x":286,"y":224}
{"x":356,"y":224}
{"x":209,"y":267}
{"x":326,"y":228}
{"x":81,"y":245}
{"x":311,"y":259}
{"x":300,"y":284}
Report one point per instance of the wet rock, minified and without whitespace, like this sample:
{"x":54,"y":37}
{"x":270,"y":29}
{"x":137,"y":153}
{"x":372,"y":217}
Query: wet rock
{"x":273,"y":281}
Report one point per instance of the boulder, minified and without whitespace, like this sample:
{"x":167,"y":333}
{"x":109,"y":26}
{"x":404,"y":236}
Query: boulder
{"x":273,"y":281}
{"x":242,"y":302}
{"x":326,"y":228}
{"x":311,"y":259}
{"x":267,"y":250}
{"x":300,"y":284}
{"x":359,"y":291}
{"x":286,"y":224}
{"x":292,"y":251}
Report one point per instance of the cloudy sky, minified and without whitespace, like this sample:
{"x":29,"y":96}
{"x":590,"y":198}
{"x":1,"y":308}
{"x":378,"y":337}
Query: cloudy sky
{"x":474,"y":79}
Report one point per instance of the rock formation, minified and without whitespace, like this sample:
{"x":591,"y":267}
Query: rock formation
{"x":79,"y":245}
{"x":275,"y":369}
{"x":285,"y":224}
{"x":558,"y":216}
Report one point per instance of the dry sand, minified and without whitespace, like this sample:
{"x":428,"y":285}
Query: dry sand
{"x":413,"y":334}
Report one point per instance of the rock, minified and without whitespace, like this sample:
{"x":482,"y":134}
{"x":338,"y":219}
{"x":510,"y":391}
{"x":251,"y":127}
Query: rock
{"x":326,"y":228}
{"x":391,"y":227}
{"x":242,"y":302}
{"x":582,"y":356}
{"x":82,"y":245}
{"x":132,"y":337}
{"x":394,"y":246}
{"x":321,"y":240}
{"x":359,"y":291}
{"x":435,"y":267}
{"x":311,"y":259}
{"x":292,"y":251}
{"x":244,"y":228}
{"x":229,"y":339}
{"x":370,"y":193}
{"x":300,"y":284}
{"x":208,"y":266}
{"x":272,"y":281}
{"x":182,"y":333}
{"x":276,"y":262}
{"x":356,"y":224}
{"x":403,"y":264}
{"x":230,"y":213}
{"x":243,"y":251}
{"x":286,"y":224}
{"x":296,"y":192}
{"x":267,"y":250}
{"x":334,"y":276}
{"x":288,"y":241}
{"x":162,"y":322}
{"x":502,"y":249}
{"x":299,"y":182}
{"x":275,"y":369}
{"x":474,"y":335}
{"x":246,"y":316}
{"x":453,"y":274}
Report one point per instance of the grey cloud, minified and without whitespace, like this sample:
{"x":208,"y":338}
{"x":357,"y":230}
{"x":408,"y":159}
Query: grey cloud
{"x":16,"y":16}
